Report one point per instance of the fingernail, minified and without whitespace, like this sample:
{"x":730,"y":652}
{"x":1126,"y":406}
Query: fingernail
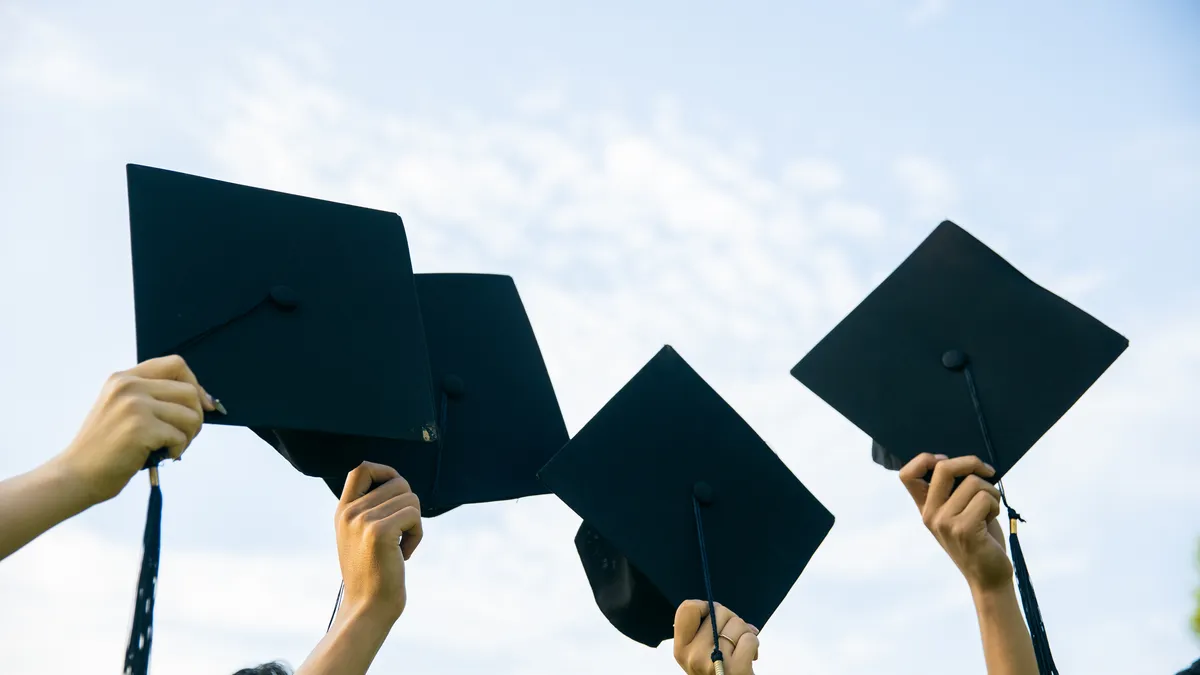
{"x":990,"y":467}
{"x":753,"y":629}
{"x":940,"y":457}
{"x":217,"y":405}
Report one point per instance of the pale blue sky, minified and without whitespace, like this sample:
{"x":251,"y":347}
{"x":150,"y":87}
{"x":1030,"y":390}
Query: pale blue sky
{"x":728,"y":180}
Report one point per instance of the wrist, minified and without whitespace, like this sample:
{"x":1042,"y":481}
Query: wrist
{"x":71,"y":487}
{"x":993,"y":594}
{"x":368,"y":614}
{"x":358,"y":631}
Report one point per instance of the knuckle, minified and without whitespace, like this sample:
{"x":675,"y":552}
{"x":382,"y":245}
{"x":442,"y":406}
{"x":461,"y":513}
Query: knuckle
{"x":350,"y":513}
{"x":131,"y":406}
{"x":195,"y":422}
{"x":374,"y":529}
{"x":122,"y":383}
{"x":942,"y":524}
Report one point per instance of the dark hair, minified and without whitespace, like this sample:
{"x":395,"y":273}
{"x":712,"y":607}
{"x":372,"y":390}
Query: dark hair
{"x":272,"y":668}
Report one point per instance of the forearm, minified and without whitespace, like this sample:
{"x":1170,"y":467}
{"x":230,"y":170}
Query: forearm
{"x":350,"y":645}
{"x":1007,"y":648}
{"x":34,"y":502}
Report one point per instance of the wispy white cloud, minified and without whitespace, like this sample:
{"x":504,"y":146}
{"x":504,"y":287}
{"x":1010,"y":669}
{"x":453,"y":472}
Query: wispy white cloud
{"x":621,"y":236}
{"x":813,"y":175}
{"x":40,"y":56}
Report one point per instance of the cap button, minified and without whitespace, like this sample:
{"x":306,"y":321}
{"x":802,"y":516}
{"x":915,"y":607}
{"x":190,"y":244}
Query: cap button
{"x":453,"y":386}
{"x":703,"y":493}
{"x":954,"y":360}
{"x":284,"y":298}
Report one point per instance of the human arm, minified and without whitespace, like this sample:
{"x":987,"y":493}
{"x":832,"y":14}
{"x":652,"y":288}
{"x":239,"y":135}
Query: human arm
{"x":156,"y":404}
{"x":963,"y":520}
{"x":377,"y":530}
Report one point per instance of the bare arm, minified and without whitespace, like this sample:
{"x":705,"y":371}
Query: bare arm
{"x":377,"y":530}
{"x":350,"y":645}
{"x":963,"y":520}
{"x":34,"y":502}
{"x":156,"y":404}
{"x":1007,"y":648}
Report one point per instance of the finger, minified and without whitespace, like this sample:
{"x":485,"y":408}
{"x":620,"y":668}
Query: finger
{"x":382,"y":493}
{"x":173,"y":391}
{"x":944,"y":473}
{"x":362,"y":477}
{"x":724,"y":616}
{"x":403,"y":526}
{"x":744,"y":653}
{"x":172,"y":367}
{"x":181,"y":417}
{"x":387,"y":508}
{"x":687,"y":623}
{"x":983,"y":508}
{"x":965,"y":492}
{"x":413,"y":535}
{"x":731,"y":633}
{"x":913,"y":475}
{"x":167,"y":436}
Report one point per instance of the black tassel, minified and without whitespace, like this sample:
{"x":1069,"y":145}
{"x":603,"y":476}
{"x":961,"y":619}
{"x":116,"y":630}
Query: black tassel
{"x":703,"y":495}
{"x":1033,"y":615}
{"x":137,"y":654}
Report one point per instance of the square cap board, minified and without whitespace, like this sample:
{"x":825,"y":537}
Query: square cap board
{"x":305,"y":318}
{"x":633,"y":472}
{"x":954,"y":327}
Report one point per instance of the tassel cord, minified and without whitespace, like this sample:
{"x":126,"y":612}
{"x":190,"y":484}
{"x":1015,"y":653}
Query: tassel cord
{"x":1033,"y":614}
{"x":717,"y":658}
{"x":137,"y":654}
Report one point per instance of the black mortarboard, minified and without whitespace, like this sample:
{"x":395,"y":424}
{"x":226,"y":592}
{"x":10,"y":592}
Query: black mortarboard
{"x":675,"y":490}
{"x":302,"y":313}
{"x":306,"y":317}
{"x":497,"y":414}
{"x":890,"y":368}
{"x":958,"y":353}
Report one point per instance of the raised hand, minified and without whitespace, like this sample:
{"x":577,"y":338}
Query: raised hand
{"x":963,"y":521}
{"x":694,"y":642}
{"x":377,"y":530}
{"x":156,"y":404}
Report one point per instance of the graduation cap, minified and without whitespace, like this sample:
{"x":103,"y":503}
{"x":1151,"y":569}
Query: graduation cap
{"x":306,"y":316}
{"x":681,"y":499}
{"x":498,"y":419}
{"x":958,"y":353}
